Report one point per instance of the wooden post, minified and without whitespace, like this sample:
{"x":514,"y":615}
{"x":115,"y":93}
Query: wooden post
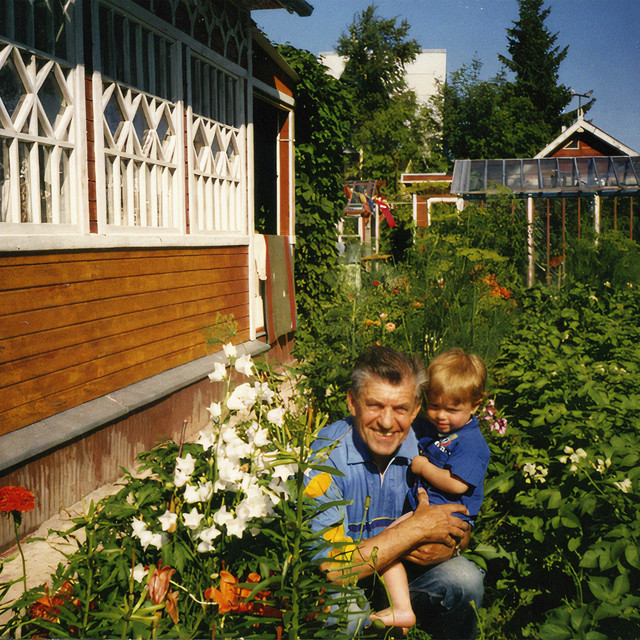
{"x":531,"y":269}
{"x":548,"y":244}
{"x":579,"y":228}
{"x":563,"y":228}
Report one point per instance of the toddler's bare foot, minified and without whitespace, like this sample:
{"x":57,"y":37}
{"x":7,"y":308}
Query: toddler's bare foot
{"x":395,"y":617}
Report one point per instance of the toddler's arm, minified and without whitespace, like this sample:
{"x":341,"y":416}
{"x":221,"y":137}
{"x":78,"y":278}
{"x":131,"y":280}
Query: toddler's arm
{"x":441,"y":479}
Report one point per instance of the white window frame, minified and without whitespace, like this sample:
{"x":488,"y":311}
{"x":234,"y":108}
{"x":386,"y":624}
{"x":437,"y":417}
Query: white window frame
{"x":29,"y":126}
{"x":218,"y":206}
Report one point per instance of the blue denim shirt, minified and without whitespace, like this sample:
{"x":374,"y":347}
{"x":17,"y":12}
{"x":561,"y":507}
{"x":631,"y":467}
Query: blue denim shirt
{"x":375,"y":499}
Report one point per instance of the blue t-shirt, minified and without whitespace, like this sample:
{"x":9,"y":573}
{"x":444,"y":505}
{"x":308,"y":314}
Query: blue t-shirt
{"x":376,"y":499}
{"x":466,"y":454}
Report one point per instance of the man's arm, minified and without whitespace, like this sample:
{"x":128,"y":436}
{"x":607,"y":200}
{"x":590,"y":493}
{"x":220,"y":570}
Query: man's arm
{"x":427,"y":524}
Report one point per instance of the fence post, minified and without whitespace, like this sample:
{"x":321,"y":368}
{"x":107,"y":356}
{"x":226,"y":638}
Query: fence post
{"x":531,"y":269}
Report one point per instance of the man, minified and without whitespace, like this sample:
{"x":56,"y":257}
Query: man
{"x":373,"y":450}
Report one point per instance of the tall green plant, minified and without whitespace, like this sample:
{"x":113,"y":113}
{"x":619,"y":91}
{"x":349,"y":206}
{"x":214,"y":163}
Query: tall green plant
{"x":322,"y":124}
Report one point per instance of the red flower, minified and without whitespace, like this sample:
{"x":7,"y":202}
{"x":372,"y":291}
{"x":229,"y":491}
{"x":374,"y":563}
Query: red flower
{"x":16,"y":499}
{"x":375,"y":283}
{"x":48,"y":608}
{"x":231,"y":598}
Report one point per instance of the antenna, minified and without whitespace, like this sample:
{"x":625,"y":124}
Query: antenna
{"x":580,"y":96}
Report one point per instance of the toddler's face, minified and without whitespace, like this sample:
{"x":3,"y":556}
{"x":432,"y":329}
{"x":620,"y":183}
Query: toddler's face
{"x":448,"y":416}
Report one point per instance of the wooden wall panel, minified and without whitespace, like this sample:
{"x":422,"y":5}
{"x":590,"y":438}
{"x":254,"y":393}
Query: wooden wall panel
{"x":76,"y":326}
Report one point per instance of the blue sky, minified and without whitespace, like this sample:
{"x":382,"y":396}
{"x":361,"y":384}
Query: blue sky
{"x":603,"y":38}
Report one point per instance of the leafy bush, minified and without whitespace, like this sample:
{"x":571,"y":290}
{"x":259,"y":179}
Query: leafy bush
{"x":560,"y":527}
{"x":212,"y":536}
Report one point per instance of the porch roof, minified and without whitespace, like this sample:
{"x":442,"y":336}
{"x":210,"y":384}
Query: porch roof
{"x":300,"y":7}
{"x":560,"y":176}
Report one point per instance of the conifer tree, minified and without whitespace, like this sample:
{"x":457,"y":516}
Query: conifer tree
{"x":535,"y":60}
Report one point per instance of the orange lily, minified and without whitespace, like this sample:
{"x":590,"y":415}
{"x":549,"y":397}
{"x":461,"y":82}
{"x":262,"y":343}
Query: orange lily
{"x":233,"y":599}
{"x":158,"y":584}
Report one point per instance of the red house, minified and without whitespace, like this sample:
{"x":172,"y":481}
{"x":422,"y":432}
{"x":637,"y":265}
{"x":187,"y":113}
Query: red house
{"x":142,"y":146}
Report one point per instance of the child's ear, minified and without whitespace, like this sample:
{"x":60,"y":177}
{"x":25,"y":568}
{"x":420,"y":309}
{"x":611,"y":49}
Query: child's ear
{"x":475,"y":407}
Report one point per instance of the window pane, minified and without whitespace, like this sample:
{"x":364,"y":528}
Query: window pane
{"x":46,"y":190}
{"x":25,"y":182}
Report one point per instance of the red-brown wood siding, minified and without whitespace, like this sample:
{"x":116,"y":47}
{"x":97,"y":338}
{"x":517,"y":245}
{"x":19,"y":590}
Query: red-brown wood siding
{"x":421,"y":212}
{"x":585,"y":149}
{"x":266,"y":70}
{"x":91,"y":158}
{"x":76,"y":326}
{"x":284,"y":160}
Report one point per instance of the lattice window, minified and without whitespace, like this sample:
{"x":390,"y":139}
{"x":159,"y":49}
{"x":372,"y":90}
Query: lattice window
{"x":46,"y":25}
{"x":143,"y":183}
{"x":221,"y":26}
{"x":217,"y":150}
{"x":38,"y":160}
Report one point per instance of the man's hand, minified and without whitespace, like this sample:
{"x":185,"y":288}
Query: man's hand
{"x":437,"y":523}
{"x":442,"y":531}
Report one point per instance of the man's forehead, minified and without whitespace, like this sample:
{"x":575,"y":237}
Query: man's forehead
{"x":375,"y":386}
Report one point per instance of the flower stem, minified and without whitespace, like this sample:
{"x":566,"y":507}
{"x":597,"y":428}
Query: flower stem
{"x":16,"y":524}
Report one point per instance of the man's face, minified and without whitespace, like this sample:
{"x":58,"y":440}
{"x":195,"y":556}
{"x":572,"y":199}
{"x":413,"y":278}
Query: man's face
{"x":383,"y":415}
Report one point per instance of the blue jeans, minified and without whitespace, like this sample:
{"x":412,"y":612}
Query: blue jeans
{"x":441,"y":598}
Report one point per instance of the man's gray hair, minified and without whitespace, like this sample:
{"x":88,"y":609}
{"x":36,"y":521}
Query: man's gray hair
{"x":389,"y":365}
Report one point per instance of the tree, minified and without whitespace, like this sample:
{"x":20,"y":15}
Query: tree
{"x":390,"y":129}
{"x":535,"y":60}
{"x":377,"y":50}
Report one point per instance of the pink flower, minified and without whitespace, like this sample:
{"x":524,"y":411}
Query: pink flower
{"x":390,"y":326}
{"x":383,"y":315}
{"x":500,"y":426}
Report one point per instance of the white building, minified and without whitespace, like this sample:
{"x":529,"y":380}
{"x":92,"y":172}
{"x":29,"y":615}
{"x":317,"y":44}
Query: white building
{"x":429,"y":66}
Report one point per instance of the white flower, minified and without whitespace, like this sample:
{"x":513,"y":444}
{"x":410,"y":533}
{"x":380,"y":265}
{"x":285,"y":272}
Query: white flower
{"x":276,"y":416}
{"x":191,"y":494}
{"x":192,"y":519}
{"x":236,"y":527}
{"x":229,"y":350}
{"x":205,"y":491}
{"x":581,"y":453}
{"x":215,"y":410}
{"x":244,"y":365}
{"x":222,"y":517}
{"x":284,"y":471}
{"x":138,"y":526}
{"x":258,"y":435}
{"x":207,"y":536}
{"x":139,"y":572}
{"x":207,"y":439}
{"x":263,"y":392}
{"x":243,"y":397}
{"x":154,"y":539}
{"x":235,"y":448}
{"x":180,"y":478}
{"x":219,"y":372}
{"x":625,"y":486}
{"x":167,"y":520}
{"x":229,"y":473}
{"x":186,"y":465}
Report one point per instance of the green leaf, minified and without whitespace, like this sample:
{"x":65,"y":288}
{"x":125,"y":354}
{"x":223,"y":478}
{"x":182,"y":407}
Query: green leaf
{"x":631,"y":555}
{"x":552,"y":631}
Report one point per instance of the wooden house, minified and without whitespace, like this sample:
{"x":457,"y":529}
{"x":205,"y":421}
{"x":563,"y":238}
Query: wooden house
{"x":143,"y":146}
